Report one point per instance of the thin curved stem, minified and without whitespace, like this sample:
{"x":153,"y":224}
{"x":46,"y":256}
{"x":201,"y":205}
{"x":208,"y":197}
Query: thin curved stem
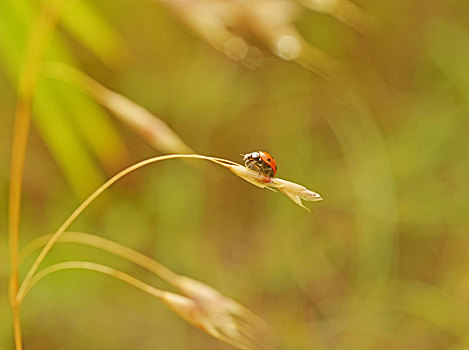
{"x":108,"y":246}
{"x":18,"y":153}
{"x":87,"y":265}
{"x":91,"y":198}
{"x":42,"y":28}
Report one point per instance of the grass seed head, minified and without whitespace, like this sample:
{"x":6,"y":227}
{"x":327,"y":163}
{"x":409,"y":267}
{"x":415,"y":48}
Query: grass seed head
{"x":224,"y":318}
{"x":292,"y":190}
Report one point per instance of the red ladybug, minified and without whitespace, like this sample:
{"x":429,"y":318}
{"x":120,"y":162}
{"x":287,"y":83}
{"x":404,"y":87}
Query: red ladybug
{"x":262,"y":162}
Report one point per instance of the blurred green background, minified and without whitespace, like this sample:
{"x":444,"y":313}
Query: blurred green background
{"x":381,"y":263}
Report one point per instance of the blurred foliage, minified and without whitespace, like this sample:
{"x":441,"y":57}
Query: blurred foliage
{"x":380,"y":263}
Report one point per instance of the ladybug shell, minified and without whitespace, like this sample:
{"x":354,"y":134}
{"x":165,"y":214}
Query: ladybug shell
{"x":269,"y":160}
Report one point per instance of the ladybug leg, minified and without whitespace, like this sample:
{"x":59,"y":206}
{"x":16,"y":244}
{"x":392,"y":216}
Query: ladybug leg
{"x":258,"y":168}
{"x":250,"y":164}
{"x":267,"y":170}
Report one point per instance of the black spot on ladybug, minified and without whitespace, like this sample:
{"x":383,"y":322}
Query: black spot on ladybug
{"x":268,"y":159}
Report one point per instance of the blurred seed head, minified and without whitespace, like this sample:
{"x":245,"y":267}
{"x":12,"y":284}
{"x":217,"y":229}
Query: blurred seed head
{"x":218,"y":315}
{"x":214,"y":308}
{"x":269,"y":22}
{"x":146,"y":124}
{"x":184,"y":307}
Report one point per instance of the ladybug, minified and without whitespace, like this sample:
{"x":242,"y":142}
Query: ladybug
{"x":262,"y":162}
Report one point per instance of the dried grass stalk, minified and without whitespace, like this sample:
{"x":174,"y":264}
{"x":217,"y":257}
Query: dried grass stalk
{"x":156,"y":132}
{"x":202,"y":306}
{"x":292,"y":190}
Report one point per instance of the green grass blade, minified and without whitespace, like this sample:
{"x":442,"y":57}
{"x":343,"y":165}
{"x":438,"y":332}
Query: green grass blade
{"x":63,"y":142}
{"x":86,"y":24}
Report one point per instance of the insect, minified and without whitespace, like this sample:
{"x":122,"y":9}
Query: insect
{"x":262,"y":162}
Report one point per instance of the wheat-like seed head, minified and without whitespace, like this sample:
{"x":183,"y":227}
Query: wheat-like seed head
{"x":292,"y":190}
{"x":220,"y":316}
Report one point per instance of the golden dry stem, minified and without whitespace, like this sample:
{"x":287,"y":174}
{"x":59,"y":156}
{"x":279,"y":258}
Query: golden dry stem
{"x":208,"y":309}
{"x":202,"y":306}
{"x":220,"y":324}
{"x":41,"y":32}
{"x":222,"y":321}
{"x":107,"y":245}
{"x":29,"y":275}
{"x":88,"y":265}
{"x":292,"y":190}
